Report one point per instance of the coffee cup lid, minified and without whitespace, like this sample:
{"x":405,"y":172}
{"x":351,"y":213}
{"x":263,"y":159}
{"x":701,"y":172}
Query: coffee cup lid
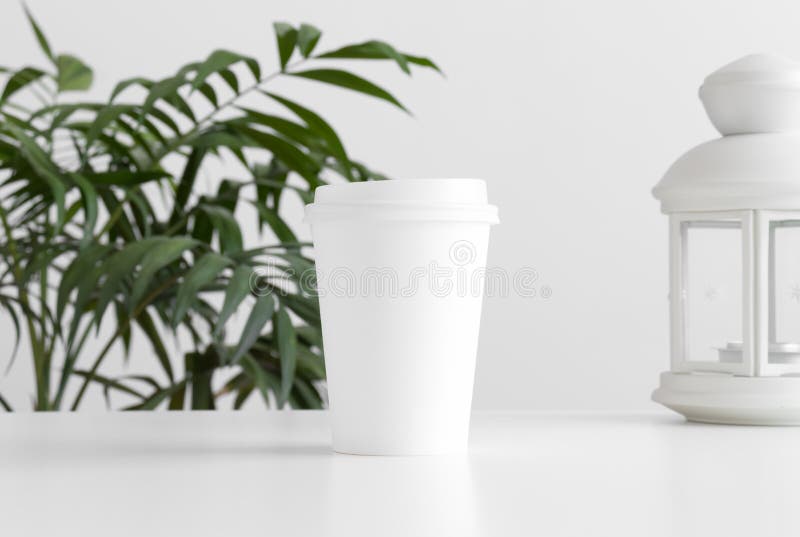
{"x":405,"y":199}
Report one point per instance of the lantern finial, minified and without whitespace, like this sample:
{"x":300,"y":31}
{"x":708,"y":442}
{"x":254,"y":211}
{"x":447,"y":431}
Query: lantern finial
{"x":759,"y":93}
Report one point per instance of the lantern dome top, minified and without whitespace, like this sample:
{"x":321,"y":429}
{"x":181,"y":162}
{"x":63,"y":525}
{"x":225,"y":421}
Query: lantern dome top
{"x":755,"y":94}
{"x":754,"y":103}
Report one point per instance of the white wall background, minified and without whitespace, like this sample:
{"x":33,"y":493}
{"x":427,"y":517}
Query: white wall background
{"x":571,"y":110}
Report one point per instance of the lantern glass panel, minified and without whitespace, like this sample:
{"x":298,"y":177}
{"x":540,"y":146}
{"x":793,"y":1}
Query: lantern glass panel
{"x":784,"y":292}
{"x":712,"y":291}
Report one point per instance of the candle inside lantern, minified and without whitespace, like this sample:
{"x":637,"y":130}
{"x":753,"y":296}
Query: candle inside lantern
{"x":779,"y":353}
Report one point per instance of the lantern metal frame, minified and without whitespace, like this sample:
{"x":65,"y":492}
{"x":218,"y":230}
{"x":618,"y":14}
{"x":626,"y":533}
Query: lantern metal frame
{"x":759,"y":298}
{"x":679,"y":222}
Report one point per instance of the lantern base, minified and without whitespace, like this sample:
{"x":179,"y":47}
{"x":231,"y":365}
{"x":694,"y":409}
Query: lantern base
{"x":728,"y":399}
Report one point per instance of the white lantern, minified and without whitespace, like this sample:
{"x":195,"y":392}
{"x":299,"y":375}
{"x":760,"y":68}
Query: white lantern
{"x":734,"y":212}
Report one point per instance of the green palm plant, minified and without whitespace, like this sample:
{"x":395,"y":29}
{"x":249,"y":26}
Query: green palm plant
{"x":101,"y":217}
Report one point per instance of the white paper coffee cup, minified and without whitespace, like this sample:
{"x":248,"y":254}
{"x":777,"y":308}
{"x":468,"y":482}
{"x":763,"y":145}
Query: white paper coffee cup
{"x":400,"y":274}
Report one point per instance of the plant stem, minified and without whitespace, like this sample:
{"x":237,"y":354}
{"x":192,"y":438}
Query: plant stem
{"x":69,"y":361}
{"x":46,"y":357}
{"x":42,"y":395}
{"x":120,"y":331}
{"x":112,"y":219}
{"x":177,"y":142}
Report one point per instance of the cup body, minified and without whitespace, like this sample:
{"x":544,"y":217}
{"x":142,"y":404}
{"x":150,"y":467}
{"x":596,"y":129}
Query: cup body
{"x":400,"y":298}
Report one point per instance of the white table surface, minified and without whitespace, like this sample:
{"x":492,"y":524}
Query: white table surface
{"x":273,"y":474}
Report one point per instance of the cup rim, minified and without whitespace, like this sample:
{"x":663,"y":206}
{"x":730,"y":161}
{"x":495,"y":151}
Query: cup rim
{"x":402,"y":211}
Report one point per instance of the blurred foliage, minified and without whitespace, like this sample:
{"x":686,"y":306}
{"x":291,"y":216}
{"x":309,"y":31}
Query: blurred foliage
{"x":95,"y":225}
